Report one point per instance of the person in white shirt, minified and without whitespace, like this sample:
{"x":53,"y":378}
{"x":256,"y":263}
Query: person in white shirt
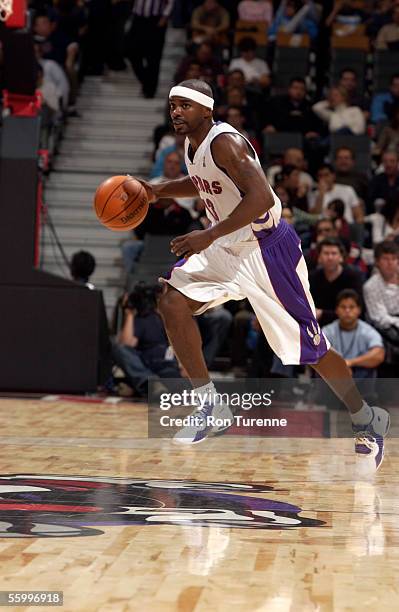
{"x":340,"y":117}
{"x":328,"y":190}
{"x":381,"y":291}
{"x":255,"y":69}
{"x":255,"y":10}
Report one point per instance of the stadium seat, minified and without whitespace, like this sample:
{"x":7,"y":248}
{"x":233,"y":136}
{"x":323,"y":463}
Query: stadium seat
{"x":342,"y":58}
{"x":275,"y":144}
{"x":251,"y":29}
{"x":361,"y":145}
{"x":386,"y":64}
{"x":290,"y":60}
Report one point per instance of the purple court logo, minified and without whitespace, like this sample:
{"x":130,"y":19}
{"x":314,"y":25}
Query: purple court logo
{"x":40,"y":506}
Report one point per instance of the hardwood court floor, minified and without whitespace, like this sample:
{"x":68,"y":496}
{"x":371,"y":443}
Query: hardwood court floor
{"x":325,"y":538}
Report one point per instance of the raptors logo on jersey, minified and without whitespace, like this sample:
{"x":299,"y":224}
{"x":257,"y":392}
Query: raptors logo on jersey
{"x":219,"y":192}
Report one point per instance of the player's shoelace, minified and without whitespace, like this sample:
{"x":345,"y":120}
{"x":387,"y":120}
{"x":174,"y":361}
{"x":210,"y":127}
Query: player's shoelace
{"x":364,"y":443}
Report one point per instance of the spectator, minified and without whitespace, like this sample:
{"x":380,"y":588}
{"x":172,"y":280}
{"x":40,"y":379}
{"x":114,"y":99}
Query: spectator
{"x":292,"y":157}
{"x":145,"y":41}
{"x":297,"y":193}
{"x":324,"y":228}
{"x":346,"y":12}
{"x":255,"y":70}
{"x":178,"y":145}
{"x":169,"y":215}
{"x":336,"y":212}
{"x":291,"y":112}
{"x":210,"y":22}
{"x":204,"y":55}
{"x":83,"y":266}
{"x":295,"y":17}
{"x":346,"y":174}
{"x":338,"y":115}
{"x":328,"y":190}
{"x":388,"y":36}
{"x":383,"y":103}
{"x":356,"y":341}
{"x":330,"y":278}
{"x":141,"y":346}
{"x":388,"y":139}
{"x":214,"y":325}
{"x":384,"y":222}
{"x":255,"y":10}
{"x":55,"y":73}
{"x":381,"y":295}
{"x":385,"y":186}
{"x":58,"y":46}
{"x":348,"y":81}
{"x":235,"y":117}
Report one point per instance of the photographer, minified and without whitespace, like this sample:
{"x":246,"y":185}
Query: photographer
{"x":141,"y":348}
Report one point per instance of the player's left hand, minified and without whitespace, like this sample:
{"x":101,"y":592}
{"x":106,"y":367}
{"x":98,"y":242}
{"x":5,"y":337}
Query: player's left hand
{"x":191,"y":243}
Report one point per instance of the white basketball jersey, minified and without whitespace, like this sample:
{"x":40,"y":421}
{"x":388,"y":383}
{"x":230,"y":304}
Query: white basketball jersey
{"x":219,"y":192}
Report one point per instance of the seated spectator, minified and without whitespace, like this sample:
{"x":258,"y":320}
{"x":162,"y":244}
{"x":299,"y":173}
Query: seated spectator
{"x":338,"y":115}
{"x":346,"y":12}
{"x":346,"y":173}
{"x":388,"y":139}
{"x":255,"y":10}
{"x":235,"y":117}
{"x":381,"y":296}
{"x":356,"y":341}
{"x":291,"y":112}
{"x":236,"y":97}
{"x":324,"y":228}
{"x":383,"y":104}
{"x":388,"y":36}
{"x":289,"y":178}
{"x":168,"y":215}
{"x":348,"y":81}
{"x":236,"y":93}
{"x":57,"y":46}
{"x":295,"y":17}
{"x":385,"y":186}
{"x":141,"y":348}
{"x":214,"y":325}
{"x":384,"y":222}
{"x":55,"y":73}
{"x":336,"y":212}
{"x":83,"y":266}
{"x":331,"y":277}
{"x":328,"y":190}
{"x":210,"y":22}
{"x":292,"y":157}
{"x":204,"y":55}
{"x":255,"y":69}
{"x":178,"y":145}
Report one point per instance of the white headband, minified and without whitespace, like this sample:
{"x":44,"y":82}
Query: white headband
{"x":192,"y":94}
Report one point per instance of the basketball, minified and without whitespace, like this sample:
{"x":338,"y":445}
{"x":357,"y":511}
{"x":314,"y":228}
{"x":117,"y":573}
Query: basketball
{"x":116,"y":209}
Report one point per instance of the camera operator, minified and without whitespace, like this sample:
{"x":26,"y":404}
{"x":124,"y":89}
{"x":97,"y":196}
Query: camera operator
{"x":141,"y":348}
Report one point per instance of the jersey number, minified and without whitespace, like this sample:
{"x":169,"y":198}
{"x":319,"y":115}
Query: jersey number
{"x":210,"y":207}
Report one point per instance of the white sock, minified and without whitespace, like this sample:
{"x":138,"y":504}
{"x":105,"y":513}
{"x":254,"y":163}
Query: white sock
{"x":362,"y":416}
{"x":206,"y":392}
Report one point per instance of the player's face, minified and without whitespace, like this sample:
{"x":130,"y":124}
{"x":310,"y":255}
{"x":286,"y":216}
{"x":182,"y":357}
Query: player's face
{"x":187,"y":116}
{"x":348,"y":312}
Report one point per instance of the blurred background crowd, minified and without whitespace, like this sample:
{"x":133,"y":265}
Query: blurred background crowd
{"x":315,"y":88}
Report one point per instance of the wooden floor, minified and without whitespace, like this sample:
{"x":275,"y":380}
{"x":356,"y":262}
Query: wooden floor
{"x":91,"y":507}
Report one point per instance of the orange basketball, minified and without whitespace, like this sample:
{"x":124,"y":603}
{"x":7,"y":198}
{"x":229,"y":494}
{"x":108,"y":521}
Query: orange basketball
{"x":115,"y":208}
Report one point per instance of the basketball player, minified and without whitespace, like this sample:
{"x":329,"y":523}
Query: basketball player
{"x":247,"y":252}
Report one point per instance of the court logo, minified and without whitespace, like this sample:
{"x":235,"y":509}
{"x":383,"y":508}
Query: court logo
{"x":65,"y":506}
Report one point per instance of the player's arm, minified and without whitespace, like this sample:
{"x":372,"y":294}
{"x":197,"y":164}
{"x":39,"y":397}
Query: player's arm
{"x":178,"y":188}
{"x":231,"y":153}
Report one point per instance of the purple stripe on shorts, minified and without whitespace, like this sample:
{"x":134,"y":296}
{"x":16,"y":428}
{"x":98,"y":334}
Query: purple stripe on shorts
{"x":281,"y":258}
{"x":178,"y":264}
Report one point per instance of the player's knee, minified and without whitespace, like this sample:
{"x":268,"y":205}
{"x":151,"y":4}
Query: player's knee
{"x":172,"y":303}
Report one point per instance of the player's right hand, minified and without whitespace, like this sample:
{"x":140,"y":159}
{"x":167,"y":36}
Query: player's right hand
{"x":147,"y":186}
